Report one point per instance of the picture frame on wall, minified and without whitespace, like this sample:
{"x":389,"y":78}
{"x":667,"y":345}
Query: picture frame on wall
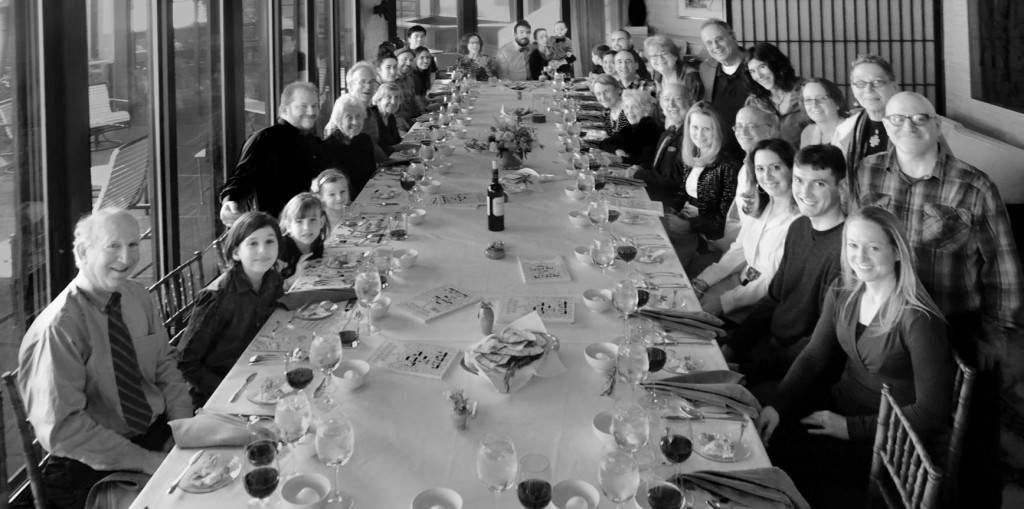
{"x":701,"y":9}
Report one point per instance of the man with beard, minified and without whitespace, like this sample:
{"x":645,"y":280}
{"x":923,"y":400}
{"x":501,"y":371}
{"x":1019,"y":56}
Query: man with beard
{"x":280,"y":161}
{"x":620,"y":40}
{"x":511,"y":57}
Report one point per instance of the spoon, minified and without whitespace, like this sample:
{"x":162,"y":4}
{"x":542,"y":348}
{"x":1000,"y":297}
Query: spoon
{"x":296,"y":355}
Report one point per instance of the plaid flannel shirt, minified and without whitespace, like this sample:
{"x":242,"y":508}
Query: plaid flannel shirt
{"x":959,"y":230}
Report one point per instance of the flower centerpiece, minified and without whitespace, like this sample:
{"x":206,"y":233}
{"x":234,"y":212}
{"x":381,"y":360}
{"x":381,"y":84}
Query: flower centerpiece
{"x":460,"y":407}
{"x":512,"y":140}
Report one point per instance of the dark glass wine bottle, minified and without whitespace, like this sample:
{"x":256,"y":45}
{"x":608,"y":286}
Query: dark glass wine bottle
{"x":495,"y":202}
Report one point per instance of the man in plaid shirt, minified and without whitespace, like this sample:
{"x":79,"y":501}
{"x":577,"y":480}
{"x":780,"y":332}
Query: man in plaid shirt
{"x":966,"y":259}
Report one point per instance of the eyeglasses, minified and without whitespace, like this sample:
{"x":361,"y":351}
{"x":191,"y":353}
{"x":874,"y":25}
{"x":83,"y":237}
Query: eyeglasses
{"x":918,"y":119}
{"x":658,"y":56}
{"x":746,"y":127}
{"x":811,"y":101}
{"x":875,"y":83}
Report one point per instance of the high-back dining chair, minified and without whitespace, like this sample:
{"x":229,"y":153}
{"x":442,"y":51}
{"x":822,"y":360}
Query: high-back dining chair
{"x":963,"y":390}
{"x":902,"y":473}
{"x":35,"y":476}
{"x":176,"y":293}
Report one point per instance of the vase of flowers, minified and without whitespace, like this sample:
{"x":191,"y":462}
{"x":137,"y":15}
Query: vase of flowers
{"x":513,"y":141}
{"x":460,"y":407}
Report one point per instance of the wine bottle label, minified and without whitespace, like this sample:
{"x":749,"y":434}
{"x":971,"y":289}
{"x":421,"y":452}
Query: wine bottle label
{"x":497,"y":206}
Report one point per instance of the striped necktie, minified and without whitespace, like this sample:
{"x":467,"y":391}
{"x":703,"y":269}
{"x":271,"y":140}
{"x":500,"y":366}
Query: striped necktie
{"x":671,"y":131}
{"x":136,"y":410}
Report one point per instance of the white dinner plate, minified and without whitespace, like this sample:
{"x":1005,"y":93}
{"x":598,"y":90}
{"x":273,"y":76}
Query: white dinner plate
{"x":224,"y":466}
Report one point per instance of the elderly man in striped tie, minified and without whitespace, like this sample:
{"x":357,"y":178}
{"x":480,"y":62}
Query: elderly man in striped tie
{"x":95,"y":368}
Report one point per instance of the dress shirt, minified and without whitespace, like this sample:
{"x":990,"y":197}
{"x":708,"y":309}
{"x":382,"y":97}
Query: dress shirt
{"x":276,"y":164}
{"x":960,"y":232}
{"x":66,"y":376}
{"x":511,"y":61}
{"x":663,"y":177}
{"x":913,"y":358}
{"x":227,"y":315}
{"x":560,"y":48}
{"x":759,"y":245}
{"x":638,"y":83}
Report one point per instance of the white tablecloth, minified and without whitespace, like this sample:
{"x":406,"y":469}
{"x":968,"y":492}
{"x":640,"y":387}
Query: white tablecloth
{"x":405,"y":441}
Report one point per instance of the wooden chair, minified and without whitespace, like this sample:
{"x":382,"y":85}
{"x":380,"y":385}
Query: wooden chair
{"x":176,"y":294}
{"x":963,"y":389}
{"x":902,"y":473}
{"x":5,"y":488}
{"x":129,"y":177}
{"x":218,"y":250}
{"x":103,"y":118}
{"x":32,"y":461}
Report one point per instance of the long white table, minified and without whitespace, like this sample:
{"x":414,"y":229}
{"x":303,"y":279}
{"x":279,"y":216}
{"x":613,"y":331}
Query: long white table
{"x":405,"y":440}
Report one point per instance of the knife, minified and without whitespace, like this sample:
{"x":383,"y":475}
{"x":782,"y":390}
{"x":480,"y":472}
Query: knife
{"x":195,"y":457}
{"x":248,"y":380}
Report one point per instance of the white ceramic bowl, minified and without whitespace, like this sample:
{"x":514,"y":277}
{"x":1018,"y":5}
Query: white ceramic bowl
{"x":601,"y":356}
{"x":446,"y":149}
{"x":432,"y":187}
{"x":579,"y":218}
{"x":574,"y":193}
{"x":351,"y":374}
{"x":416,"y":216}
{"x":583,"y":255}
{"x":381,"y":306}
{"x":404,"y":258}
{"x":565,"y":491}
{"x":306,"y":491}
{"x":443,"y":498}
{"x":602,"y":424}
{"x":599,"y":300}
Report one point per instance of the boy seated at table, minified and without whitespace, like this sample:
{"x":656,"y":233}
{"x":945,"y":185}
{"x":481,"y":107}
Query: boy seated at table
{"x":597,"y":57}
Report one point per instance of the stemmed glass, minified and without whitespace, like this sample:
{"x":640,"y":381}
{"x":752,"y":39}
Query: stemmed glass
{"x":534,"y":489}
{"x":368,"y":286}
{"x":597,"y":211}
{"x":676,"y":443}
{"x":631,"y":427}
{"x":664,"y":495}
{"x":408,"y":183}
{"x":297,"y":372}
{"x":261,"y":470}
{"x":625,"y":299}
{"x":335,"y":440}
{"x":618,"y":475}
{"x":626,"y":249}
{"x":292,"y":417}
{"x":602,"y":251}
{"x":496,"y":464}
{"x":325,"y":354}
{"x":631,"y":363}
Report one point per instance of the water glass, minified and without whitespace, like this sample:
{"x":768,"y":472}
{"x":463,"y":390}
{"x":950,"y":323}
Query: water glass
{"x":597,"y":211}
{"x":630,"y":427}
{"x":325,"y":353}
{"x":602,"y":252}
{"x":618,"y":475}
{"x":497,"y":464}
{"x":292,"y":416}
{"x":631,"y":363}
{"x":625,"y":299}
{"x":427,"y":150}
{"x":335,"y":441}
{"x":368,"y":287}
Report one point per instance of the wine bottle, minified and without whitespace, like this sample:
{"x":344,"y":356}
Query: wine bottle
{"x":495,"y":202}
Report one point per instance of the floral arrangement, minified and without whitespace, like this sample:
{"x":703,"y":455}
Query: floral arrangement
{"x":511,"y":135}
{"x":457,"y":397}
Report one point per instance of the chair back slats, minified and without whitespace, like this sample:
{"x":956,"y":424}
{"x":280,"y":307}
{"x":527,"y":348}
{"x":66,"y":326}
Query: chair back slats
{"x":901,"y":469}
{"x":100,"y":112}
{"x":5,"y":488}
{"x":35,"y":477}
{"x":963,"y":389}
{"x":176,"y":292}
{"x":129,"y":173}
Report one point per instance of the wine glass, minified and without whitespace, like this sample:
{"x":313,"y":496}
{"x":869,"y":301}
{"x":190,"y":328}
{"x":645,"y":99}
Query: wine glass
{"x":626,"y":249}
{"x":631,"y":363}
{"x":261,"y":470}
{"x":602,"y":252}
{"x":630,"y":427}
{"x":427,"y":151}
{"x":325,"y":354}
{"x":297,"y":372}
{"x":664,"y":495}
{"x":408,"y":183}
{"x":677,"y":441}
{"x":597,"y":211}
{"x":496,"y":464}
{"x":367,"y":287}
{"x":534,"y":489}
{"x":335,"y":440}
{"x":292,"y":417}
{"x":625,"y":300}
{"x":618,"y":475}
{"x":600,"y":177}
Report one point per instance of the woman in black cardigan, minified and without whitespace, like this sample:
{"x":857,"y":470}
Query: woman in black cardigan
{"x":637,"y":142}
{"x":709,"y":175}
{"x":351,"y":150}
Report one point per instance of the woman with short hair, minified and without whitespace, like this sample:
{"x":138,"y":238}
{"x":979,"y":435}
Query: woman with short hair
{"x":608,"y":92}
{"x":663,"y":54}
{"x":351,"y":149}
{"x":636,"y":143}
{"x":826,"y":107}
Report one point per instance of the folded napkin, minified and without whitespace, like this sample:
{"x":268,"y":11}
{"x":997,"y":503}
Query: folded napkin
{"x":547,"y":366}
{"x":210,"y":430}
{"x":716,"y":376}
{"x":729,"y":395}
{"x":118,"y":490}
{"x":295,"y":300}
{"x":626,"y":181}
{"x":756,"y":487}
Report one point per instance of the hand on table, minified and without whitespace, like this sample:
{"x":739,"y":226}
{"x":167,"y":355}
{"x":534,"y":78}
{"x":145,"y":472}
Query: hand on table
{"x":828,"y":423}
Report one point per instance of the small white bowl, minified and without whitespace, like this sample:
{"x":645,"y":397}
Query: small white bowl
{"x":351,"y":374}
{"x":379,"y":308}
{"x":583,"y":255}
{"x":464,"y":121}
{"x":579,"y":218}
{"x":446,"y":149}
{"x":599,"y":300}
{"x":432,"y":187}
{"x":565,"y":491}
{"x":602,"y":424}
{"x":306,"y":491}
{"x":404,"y":258}
{"x":442,"y":498}
{"x":574,"y":193}
{"x":468,"y":108}
{"x":601,"y":356}
{"x":416,"y":216}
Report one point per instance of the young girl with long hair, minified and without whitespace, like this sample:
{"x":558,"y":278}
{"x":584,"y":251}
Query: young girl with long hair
{"x":304,"y":224}
{"x":332,"y":186}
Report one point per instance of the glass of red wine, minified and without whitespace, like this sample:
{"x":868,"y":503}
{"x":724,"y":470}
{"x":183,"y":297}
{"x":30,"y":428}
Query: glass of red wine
{"x":534,"y":489}
{"x":625,"y":249}
{"x":664,"y":495}
{"x":297,"y":371}
{"x":676,"y":442}
{"x":261,"y":472}
{"x":408,"y":183}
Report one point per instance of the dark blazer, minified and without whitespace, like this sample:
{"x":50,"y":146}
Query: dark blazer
{"x":354,"y":157}
{"x":638,"y":141}
{"x":716,"y":190}
{"x":662,"y":176}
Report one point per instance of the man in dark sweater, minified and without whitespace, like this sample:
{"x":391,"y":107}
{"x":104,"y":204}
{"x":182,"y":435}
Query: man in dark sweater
{"x":280,"y":161}
{"x":810,"y":262}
